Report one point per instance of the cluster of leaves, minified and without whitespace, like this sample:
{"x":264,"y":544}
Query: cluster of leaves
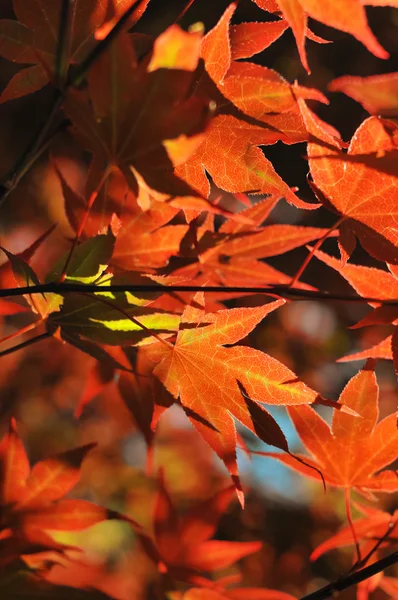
{"x":174,"y":127}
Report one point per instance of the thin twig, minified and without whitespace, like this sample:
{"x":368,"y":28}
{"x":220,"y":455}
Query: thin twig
{"x":37,"y":144}
{"x":26,"y":343}
{"x":35,"y":148}
{"x":283,"y":291}
{"x":316,"y":247}
{"x":100,"y":48}
{"x":61,"y":56}
{"x":333,"y":589}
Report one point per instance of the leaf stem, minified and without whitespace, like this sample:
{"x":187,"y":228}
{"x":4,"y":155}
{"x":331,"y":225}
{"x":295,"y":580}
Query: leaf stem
{"x":184,"y":11}
{"x":347,"y":497}
{"x":21,"y":331}
{"x":61,"y":57}
{"x":313,"y":250}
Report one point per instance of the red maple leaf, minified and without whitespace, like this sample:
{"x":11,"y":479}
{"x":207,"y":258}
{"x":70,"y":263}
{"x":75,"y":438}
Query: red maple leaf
{"x":138,"y":116}
{"x":32,"y":499}
{"x":182,"y":546}
{"x":254,"y":106}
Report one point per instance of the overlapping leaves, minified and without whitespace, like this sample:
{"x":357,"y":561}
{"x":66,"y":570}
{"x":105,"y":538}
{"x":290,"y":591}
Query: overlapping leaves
{"x":182,"y":546}
{"x":33,"y":39}
{"x":32,"y":499}
{"x":215,"y":383}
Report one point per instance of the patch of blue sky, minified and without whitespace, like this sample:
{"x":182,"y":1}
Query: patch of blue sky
{"x":270,"y":476}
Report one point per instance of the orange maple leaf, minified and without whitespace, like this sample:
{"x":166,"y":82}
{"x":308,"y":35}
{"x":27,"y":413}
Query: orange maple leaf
{"x":378,"y":94}
{"x":352,"y":453}
{"x":346,"y":15}
{"x":202,"y":373}
{"x":254,"y":106}
{"x":353,"y":184}
{"x":374,"y":525}
{"x":374,"y":531}
{"x":365,"y":280}
{"x":231,"y":255}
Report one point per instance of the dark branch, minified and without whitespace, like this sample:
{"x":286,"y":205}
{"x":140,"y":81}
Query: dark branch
{"x":271,"y":290}
{"x":37,"y":145}
{"x":26,"y":343}
{"x":61,"y":58}
{"x":100,"y":48}
{"x":332,"y":589}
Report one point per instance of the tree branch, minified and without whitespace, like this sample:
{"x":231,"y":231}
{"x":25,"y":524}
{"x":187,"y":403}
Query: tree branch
{"x":37,"y":145}
{"x":283,"y":291}
{"x":332,"y":589}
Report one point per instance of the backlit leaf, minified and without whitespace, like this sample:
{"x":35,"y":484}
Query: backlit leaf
{"x":354,"y":189}
{"x":353,"y":452}
{"x":377,"y":93}
{"x":203,"y":374}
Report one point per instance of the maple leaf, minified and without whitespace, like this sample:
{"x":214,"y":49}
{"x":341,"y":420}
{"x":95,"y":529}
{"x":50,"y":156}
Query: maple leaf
{"x":182,"y":546}
{"x":254,"y":106}
{"x":365,"y":280}
{"x":353,"y":452}
{"x":103,"y":318}
{"x":34,"y":38}
{"x":387,"y":349}
{"x":145,"y":241}
{"x":231,"y":255}
{"x":248,"y":39}
{"x":346,"y":15}
{"x":377,"y":93}
{"x":32,"y":499}
{"x":142,"y":119}
{"x":353,"y":189}
{"x":202,"y":373}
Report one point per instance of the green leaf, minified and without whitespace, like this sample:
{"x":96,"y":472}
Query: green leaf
{"x":112,"y":322}
{"x":89,"y":260}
